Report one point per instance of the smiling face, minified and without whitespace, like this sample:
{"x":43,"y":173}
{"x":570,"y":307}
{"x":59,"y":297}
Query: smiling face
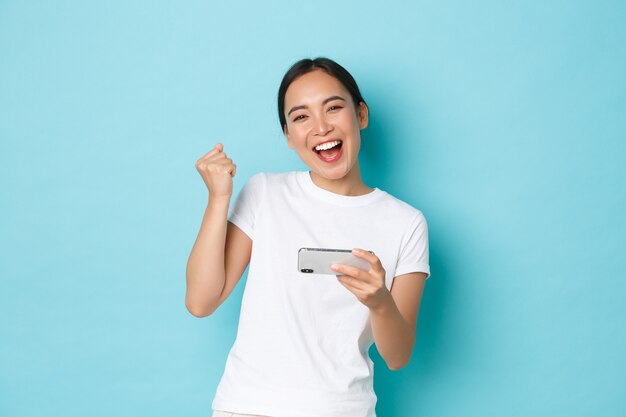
{"x":323,"y":125}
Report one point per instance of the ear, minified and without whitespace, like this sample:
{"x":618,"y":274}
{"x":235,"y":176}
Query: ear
{"x":287,"y":136}
{"x":363,"y":115}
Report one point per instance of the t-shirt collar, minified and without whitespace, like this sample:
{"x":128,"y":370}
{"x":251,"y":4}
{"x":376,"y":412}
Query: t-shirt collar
{"x":305,"y":180}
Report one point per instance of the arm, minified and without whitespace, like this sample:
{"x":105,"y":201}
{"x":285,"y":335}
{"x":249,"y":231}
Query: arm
{"x":217,"y":261}
{"x":221,"y":251}
{"x":393,"y":313}
{"x":394,"y":321}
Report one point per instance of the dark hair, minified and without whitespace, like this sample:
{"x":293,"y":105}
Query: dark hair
{"x":305,"y":66}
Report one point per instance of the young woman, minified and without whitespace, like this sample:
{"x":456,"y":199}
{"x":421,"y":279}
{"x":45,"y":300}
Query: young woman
{"x":302,"y":341}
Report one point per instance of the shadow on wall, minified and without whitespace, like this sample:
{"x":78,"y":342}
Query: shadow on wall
{"x":393,"y":145}
{"x":400,"y":392}
{"x":390,"y":159}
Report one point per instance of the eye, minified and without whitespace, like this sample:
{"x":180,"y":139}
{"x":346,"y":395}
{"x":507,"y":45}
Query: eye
{"x":335,"y":107}
{"x":299,"y":117}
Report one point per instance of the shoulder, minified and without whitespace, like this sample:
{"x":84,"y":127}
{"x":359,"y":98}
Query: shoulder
{"x":275,"y":179}
{"x":277,"y":176}
{"x":271,"y":177}
{"x":256,"y":181}
{"x":401,"y":208}
{"x":264,"y":183}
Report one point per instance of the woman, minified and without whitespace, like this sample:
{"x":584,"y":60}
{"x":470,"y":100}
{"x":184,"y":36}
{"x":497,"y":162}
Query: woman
{"x":302,"y":342}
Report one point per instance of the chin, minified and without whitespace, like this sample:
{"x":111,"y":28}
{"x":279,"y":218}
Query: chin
{"x":335,"y":173}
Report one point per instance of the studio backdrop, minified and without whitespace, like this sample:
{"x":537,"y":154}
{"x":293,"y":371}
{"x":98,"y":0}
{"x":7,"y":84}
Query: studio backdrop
{"x":504,"y":122}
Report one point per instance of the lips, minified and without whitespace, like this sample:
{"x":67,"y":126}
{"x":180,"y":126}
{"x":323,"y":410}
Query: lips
{"x":330,"y":150}
{"x":330,"y":156}
{"x":327,"y":144}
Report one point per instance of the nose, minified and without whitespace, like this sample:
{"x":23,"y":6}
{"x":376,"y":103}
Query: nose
{"x":322,"y":127}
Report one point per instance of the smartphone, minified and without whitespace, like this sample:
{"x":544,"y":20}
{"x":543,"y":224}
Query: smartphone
{"x":319,"y":260}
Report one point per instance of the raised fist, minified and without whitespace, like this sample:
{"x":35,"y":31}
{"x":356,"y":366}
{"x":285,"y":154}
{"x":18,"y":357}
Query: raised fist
{"x":217,"y":171}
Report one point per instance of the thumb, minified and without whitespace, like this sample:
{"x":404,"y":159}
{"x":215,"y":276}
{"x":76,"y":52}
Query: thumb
{"x":219,"y":147}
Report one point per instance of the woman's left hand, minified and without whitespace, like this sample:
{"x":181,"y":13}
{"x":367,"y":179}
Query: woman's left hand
{"x":368,"y":286}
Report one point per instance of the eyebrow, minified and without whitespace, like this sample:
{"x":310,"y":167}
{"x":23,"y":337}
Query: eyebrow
{"x":329,"y":99}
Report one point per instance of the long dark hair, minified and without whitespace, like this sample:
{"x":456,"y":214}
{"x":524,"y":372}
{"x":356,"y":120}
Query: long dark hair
{"x":307,"y":65}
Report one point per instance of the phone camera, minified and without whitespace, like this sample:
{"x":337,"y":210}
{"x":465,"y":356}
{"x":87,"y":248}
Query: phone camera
{"x":307,"y":271}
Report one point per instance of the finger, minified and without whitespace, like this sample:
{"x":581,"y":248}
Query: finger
{"x":349,"y":270}
{"x":206,"y":164}
{"x":207,"y":155}
{"x":231,"y":169}
{"x":218,"y":156}
{"x":223,"y":162}
{"x":225,"y":165}
{"x":216,"y":149}
{"x":371,"y":259}
{"x":352,"y":284}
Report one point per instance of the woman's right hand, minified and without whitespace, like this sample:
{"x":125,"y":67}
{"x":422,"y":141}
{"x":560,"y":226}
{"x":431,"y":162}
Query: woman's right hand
{"x":217,"y":171}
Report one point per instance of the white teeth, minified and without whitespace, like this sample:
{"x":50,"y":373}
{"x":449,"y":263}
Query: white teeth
{"x":327,"y":145}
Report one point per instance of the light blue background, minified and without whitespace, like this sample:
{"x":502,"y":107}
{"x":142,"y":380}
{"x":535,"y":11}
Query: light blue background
{"x":504,"y":122}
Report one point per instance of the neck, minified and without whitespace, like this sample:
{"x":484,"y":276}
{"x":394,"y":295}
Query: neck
{"x":350,"y":185}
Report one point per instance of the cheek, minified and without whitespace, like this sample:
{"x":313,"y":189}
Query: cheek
{"x":295,"y":141}
{"x":349,"y":122}
{"x":298,"y":134}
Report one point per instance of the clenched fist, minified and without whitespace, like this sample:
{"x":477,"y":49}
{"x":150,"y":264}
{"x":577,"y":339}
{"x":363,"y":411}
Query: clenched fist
{"x":217,"y":171}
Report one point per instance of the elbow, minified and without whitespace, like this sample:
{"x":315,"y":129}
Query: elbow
{"x":401,"y":357}
{"x":197,"y":310}
{"x":396,"y":366}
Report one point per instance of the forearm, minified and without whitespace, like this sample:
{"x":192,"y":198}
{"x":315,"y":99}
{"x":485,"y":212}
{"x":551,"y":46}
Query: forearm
{"x":205,"y":267}
{"x":393,"y":336}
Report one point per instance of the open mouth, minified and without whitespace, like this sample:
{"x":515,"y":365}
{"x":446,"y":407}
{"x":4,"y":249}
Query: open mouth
{"x":329,"y":151}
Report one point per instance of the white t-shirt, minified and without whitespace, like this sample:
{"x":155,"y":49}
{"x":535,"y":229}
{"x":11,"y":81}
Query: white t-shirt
{"x":302,"y":343}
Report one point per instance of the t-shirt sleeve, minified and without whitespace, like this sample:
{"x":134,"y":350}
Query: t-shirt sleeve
{"x":243,"y":213}
{"x":414,"y":249}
